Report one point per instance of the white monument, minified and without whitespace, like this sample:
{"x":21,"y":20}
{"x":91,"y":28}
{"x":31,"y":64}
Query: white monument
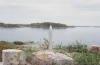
{"x":50,"y":38}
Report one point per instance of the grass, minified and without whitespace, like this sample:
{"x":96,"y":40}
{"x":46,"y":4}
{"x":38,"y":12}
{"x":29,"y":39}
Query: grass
{"x":78,"y":51}
{"x":29,"y":48}
{"x":87,"y":59}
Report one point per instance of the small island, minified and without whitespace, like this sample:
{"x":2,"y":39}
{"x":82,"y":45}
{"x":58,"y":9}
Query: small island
{"x":36,"y":25}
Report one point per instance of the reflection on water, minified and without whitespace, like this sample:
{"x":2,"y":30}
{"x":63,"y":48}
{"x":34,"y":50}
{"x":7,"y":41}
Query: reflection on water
{"x":87,"y":35}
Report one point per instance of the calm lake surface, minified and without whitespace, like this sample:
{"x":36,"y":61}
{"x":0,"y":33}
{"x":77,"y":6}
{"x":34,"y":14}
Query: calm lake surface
{"x":87,"y":35}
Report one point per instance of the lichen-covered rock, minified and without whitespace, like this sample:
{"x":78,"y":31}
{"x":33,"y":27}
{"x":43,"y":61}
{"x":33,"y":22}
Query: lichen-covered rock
{"x":13,"y":57}
{"x":48,"y":58}
{"x":42,"y":58}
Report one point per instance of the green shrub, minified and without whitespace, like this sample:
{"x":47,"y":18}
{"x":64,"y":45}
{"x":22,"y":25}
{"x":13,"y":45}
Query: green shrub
{"x":87,"y":59}
{"x":77,"y":47}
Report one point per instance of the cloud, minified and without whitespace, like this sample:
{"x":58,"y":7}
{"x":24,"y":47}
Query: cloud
{"x":71,"y":12}
{"x":90,"y":5}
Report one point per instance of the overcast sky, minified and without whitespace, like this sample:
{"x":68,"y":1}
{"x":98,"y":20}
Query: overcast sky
{"x":70,"y":12}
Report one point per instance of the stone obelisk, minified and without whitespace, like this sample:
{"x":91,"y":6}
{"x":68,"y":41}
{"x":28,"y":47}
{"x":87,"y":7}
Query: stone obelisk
{"x":50,"y":38}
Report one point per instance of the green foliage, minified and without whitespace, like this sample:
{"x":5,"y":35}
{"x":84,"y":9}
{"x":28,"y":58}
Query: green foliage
{"x":28,"y":51}
{"x":87,"y":59}
{"x":28,"y":56}
{"x":77,"y":47}
{"x":80,"y":53}
{"x":8,"y":25}
{"x":71,"y":48}
{"x":61,"y":49}
{"x":2,"y":24}
{"x":54,"y":63}
{"x":6,"y":45}
{"x":45,"y":44}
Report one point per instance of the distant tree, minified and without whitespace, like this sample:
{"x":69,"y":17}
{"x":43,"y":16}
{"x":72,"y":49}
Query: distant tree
{"x":1,"y":23}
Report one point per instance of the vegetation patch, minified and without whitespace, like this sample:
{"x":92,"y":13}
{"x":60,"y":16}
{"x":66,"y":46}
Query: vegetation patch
{"x":78,"y":51}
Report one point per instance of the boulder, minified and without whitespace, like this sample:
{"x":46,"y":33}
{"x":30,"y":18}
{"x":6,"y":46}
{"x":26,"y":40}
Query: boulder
{"x":61,"y":59}
{"x":13,"y":57}
{"x":48,"y":58}
{"x":95,"y":48}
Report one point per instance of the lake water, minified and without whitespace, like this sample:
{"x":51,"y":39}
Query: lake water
{"x":87,"y":35}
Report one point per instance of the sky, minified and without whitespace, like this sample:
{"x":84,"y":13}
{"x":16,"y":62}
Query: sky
{"x":69,"y":12}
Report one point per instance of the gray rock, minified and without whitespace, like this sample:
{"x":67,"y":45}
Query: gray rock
{"x":48,"y":58}
{"x":13,"y":57}
{"x":95,"y":48}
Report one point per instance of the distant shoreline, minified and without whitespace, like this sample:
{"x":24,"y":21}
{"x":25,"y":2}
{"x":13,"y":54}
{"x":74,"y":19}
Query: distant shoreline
{"x":44,"y":25}
{"x":87,"y":26}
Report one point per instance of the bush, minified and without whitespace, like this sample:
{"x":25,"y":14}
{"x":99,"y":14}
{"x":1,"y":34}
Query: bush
{"x":77,"y":47}
{"x":18,"y":42}
{"x":87,"y":59}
